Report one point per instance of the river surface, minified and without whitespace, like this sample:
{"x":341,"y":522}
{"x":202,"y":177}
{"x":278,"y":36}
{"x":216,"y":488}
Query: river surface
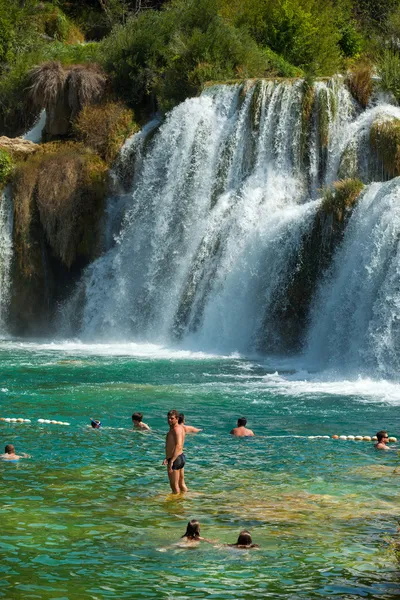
{"x":90,"y":515}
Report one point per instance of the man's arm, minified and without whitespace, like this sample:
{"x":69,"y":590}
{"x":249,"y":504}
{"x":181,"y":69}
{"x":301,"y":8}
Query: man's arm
{"x":178,"y":439}
{"x":191,"y":429}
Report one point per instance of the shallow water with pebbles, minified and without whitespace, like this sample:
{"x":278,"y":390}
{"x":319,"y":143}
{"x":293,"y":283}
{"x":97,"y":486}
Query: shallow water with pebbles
{"x":90,"y":516}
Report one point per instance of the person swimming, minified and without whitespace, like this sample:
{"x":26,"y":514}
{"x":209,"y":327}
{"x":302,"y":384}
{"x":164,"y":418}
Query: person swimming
{"x":192,"y":533}
{"x":187,"y":428}
{"x":96,"y":424}
{"x":138,"y":423}
{"x":9,"y":454}
{"x":244,"y":541}
{"x":241,"y":430}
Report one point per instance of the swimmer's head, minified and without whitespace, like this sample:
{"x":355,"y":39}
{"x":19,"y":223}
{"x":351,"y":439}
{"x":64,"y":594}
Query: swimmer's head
{"x":9,"y":449}
{"x":181,"y":419}
{"x":193,"y":529}
{"x":95,"y":423}
{"x":244,"y":538}
{"x":382,"y":435}
{"x":137,"y":417}
{"x":242,"y":422}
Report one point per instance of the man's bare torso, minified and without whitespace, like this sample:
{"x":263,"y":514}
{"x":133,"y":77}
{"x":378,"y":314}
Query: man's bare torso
{"x":172,"y":438}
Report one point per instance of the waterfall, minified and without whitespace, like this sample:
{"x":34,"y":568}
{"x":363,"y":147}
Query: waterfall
{"x":6,"y":226}
{"x":207,"y":240}
{"x":356,"y":316}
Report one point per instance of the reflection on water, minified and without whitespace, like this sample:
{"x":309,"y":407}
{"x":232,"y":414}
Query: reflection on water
{"x":90,"y":515}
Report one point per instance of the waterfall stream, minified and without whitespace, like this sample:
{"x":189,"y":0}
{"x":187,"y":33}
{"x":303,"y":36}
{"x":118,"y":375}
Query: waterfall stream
{"x":207,"y":240}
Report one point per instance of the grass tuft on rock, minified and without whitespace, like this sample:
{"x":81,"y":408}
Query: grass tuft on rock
{"x":385,"y":143}
{"x":104,"y":128}
{"x":359,"y":81}
{"x":342,"y":197}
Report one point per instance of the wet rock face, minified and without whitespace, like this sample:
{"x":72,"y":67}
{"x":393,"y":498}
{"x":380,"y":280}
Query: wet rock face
{"x":58,"y":205}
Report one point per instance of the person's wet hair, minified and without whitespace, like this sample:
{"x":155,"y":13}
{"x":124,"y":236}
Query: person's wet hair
{"x":193,"y":530}
{"x":381,"y":434}
{"x":181,"y":418}
{"x":173,"y":413}
{"x":244,"y":539}
{"x":9,"y":449}
{"x":242,"y":421}
{"x":96,"y":424}
{"x":137,"y":417}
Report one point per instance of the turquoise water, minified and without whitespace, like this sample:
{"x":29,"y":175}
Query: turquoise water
{"x":90,"y":514}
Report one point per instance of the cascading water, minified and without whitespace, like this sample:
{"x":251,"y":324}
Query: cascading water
{"x":213,"y":226}
{"x":6,"y":227}
{"x":356,"y":317}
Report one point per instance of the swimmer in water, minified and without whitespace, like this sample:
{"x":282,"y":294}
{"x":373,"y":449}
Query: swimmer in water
{"x":240,"y":430}
{"x":383,"y":438}
{"x":9,"y":454}
{"x":244,"y":541}
{"x":192,"y":533}
{"x":187,"y":428}
{"x":96,"y":424}
{"x":138,"y":423}
{"x":174,"y":457}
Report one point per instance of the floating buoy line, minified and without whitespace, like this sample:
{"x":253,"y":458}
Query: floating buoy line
{"x":351,"y":438}
{"x":355,"y":438}
{"x":41,"y":421}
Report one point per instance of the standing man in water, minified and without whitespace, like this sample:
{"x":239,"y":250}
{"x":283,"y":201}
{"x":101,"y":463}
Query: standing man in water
{"x":174,"y":457}
{"x":241,"y":430}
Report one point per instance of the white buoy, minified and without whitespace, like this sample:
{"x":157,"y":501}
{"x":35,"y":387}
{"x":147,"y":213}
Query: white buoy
{"x":358,"y":438}
{"x":20,"y":420}
{"x":342,"y":437}
{"x":27,"y":421}
{"x":47,"y":421}
{"x":65,"y":423}
{"x":40,"y":420}
{"x":374,"y":438}
{"x":392,"y":439}
{"x":7,"y":420}
{"x":326,"y":437}
{"x":350,"y":437}
{"x":367,"y":438}
{"x":311,"y":437}
{"x":13,"y":420}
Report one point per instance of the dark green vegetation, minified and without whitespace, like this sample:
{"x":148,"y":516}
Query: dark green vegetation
{"x":156,"y":53}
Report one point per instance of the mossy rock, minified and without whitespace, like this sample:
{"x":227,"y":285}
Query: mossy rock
{"x":6,"y":167}
{"x":385,"y":145}
{"x":68,"y":186}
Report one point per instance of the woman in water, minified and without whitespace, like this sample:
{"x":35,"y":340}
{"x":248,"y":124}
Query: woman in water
{"x":244,"y":541}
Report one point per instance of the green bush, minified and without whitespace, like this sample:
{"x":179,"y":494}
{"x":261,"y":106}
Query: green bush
{"x":172,"y":53}
{"x":389,"y":71}
{"x":304,"y":32}
{"x":6,"y":166}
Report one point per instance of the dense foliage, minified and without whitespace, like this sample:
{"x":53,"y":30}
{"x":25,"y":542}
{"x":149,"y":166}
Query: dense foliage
{"x":158,"y":52}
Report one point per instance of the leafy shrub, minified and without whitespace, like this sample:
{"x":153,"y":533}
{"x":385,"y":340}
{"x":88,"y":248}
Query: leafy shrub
{"x":304,"y":32}
{"x":389,"y":71}
{"x":6,"y":166}
{"x":173,"y":52}
{"x":104,"y":128}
